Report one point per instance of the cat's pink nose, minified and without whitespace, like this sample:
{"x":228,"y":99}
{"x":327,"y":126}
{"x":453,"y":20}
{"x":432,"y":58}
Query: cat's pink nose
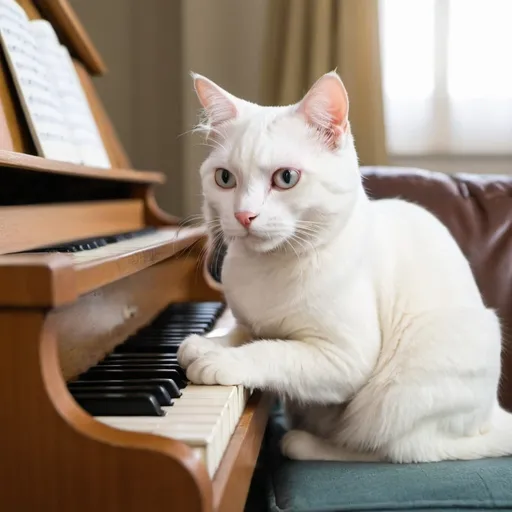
{"x":245,"y":218}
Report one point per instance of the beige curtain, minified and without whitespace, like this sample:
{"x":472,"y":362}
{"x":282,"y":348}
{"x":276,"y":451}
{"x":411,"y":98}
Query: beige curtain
{"x":307,"y":38}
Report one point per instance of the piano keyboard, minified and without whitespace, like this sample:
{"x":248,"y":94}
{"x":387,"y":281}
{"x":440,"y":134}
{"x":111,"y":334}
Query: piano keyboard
{"x":87,"y":244}
{"x":94,"y":250}
{"x":141,"y":387}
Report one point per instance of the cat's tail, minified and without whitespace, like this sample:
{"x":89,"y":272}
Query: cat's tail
{"x":495,"y":442}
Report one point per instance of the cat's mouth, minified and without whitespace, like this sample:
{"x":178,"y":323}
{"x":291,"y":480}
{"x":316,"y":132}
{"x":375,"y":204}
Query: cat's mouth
{"x":261,"y":241}
{"x":248,"y":234}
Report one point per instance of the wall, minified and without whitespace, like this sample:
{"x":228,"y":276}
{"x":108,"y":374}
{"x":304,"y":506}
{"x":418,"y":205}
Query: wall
{"x":223,"y":40}
{"x":108,"y":24}
{"x":150,"y":48}
{"x":454,"y":164}
{"x":141,"y":44}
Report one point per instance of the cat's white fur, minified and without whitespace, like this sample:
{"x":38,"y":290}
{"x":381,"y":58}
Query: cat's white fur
{"x":362,"y":314}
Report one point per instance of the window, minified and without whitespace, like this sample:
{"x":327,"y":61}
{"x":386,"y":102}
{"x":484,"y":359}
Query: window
{"x":447,"y":76}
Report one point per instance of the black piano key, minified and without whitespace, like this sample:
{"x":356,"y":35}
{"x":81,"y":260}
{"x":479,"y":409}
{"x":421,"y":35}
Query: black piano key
{"x":144,"y":346}
{"x":174,"y":310}
{"x":140,"y":356}
{"x":184,"y":319}
{"x":154,"y":348}
{"x":170,"y":340}
{"x":161,"y":333}
{"x":172,"y":333}
{"x":175,"y":340}
{"x":204,"y":314}
{"x":168,"y":322}
{"x":199,"y":315}
{"x":133,"y":365}
{"x":194,"y":325}
{"x":178,"y":309}
{"x":168,"y":332}
{"x":162,"y":361}
{"x":168,"y":384}
{"x":100,"y":373}
{"x":176,"y":327}
{"x":179,"y":323}
{"x":198,"y":309}
{"x":119,"y":404}
{"x":158,"y":391}
{"x":126,"y":365}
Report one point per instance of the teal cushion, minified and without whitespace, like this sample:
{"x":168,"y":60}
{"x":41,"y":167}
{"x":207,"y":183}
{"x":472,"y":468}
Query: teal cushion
{"x":295,"y":486}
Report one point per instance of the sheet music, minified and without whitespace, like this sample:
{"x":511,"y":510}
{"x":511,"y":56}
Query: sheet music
{"x":78,"y":115}
{"x":43,"y":109}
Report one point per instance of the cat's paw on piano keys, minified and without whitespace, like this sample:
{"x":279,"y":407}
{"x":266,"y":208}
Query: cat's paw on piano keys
{"x":193,"y":347}
{"x":220,"y":367}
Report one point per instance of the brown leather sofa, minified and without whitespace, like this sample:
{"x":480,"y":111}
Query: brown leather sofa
{"x":477,"y":209}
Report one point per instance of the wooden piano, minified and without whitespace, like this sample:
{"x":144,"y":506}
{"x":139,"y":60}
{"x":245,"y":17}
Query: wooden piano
{"x":97,"y":288}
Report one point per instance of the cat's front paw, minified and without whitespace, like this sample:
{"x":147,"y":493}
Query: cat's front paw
{"x":218,"y":367}
{"x":193,"y":347}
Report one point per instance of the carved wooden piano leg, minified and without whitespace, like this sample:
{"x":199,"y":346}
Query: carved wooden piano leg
{"x":64,"y":459}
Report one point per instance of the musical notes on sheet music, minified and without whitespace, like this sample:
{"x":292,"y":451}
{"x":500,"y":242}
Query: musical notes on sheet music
{"x":75,"y":105}
{"x":50,"y":91}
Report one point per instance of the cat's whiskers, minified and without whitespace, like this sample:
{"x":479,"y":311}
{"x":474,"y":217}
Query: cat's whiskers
{"x":204,"y":251}
{"x":288,"y":242}
{"x":192,"y":246}
{"x":187,"y":222}
{"x":310,"y":222}
{"x":301,"y":240}
{"x":213,"y":226}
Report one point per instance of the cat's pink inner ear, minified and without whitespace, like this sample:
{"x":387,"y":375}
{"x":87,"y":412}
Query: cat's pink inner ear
{"x":326,"y":104}
{"x":218,"y":104}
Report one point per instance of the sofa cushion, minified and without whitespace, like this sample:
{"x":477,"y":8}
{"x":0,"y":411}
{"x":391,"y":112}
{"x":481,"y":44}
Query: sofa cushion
{"x":298,"y":486}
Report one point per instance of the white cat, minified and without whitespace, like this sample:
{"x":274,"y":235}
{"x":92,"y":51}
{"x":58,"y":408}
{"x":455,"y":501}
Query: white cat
{"x":363,"y":315}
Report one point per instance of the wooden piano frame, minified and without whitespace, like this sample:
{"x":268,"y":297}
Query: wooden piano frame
{"x":56,"y":321}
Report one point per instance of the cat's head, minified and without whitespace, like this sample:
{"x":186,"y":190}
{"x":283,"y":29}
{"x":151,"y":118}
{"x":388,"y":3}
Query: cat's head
{"x":278,"y":178}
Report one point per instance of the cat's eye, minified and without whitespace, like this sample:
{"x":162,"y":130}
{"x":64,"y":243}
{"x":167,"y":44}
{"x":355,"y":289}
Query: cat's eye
{"x":285,"y":178}
{"x":225,"y":178}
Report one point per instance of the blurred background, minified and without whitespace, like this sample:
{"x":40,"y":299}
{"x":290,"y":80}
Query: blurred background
{"x":429,"y":81}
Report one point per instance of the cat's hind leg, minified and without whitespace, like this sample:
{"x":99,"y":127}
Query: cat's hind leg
{"x":438,"y":383}
{"x":429,"y":444}
{"x":301,"y":445}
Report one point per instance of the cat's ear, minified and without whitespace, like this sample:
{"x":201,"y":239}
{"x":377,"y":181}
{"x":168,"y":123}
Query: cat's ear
{"x":218,"y":104}
{"x":325,"y":107}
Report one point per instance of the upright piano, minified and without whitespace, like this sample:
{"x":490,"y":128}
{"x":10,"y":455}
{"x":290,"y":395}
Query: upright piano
{"x":98,"y":287}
